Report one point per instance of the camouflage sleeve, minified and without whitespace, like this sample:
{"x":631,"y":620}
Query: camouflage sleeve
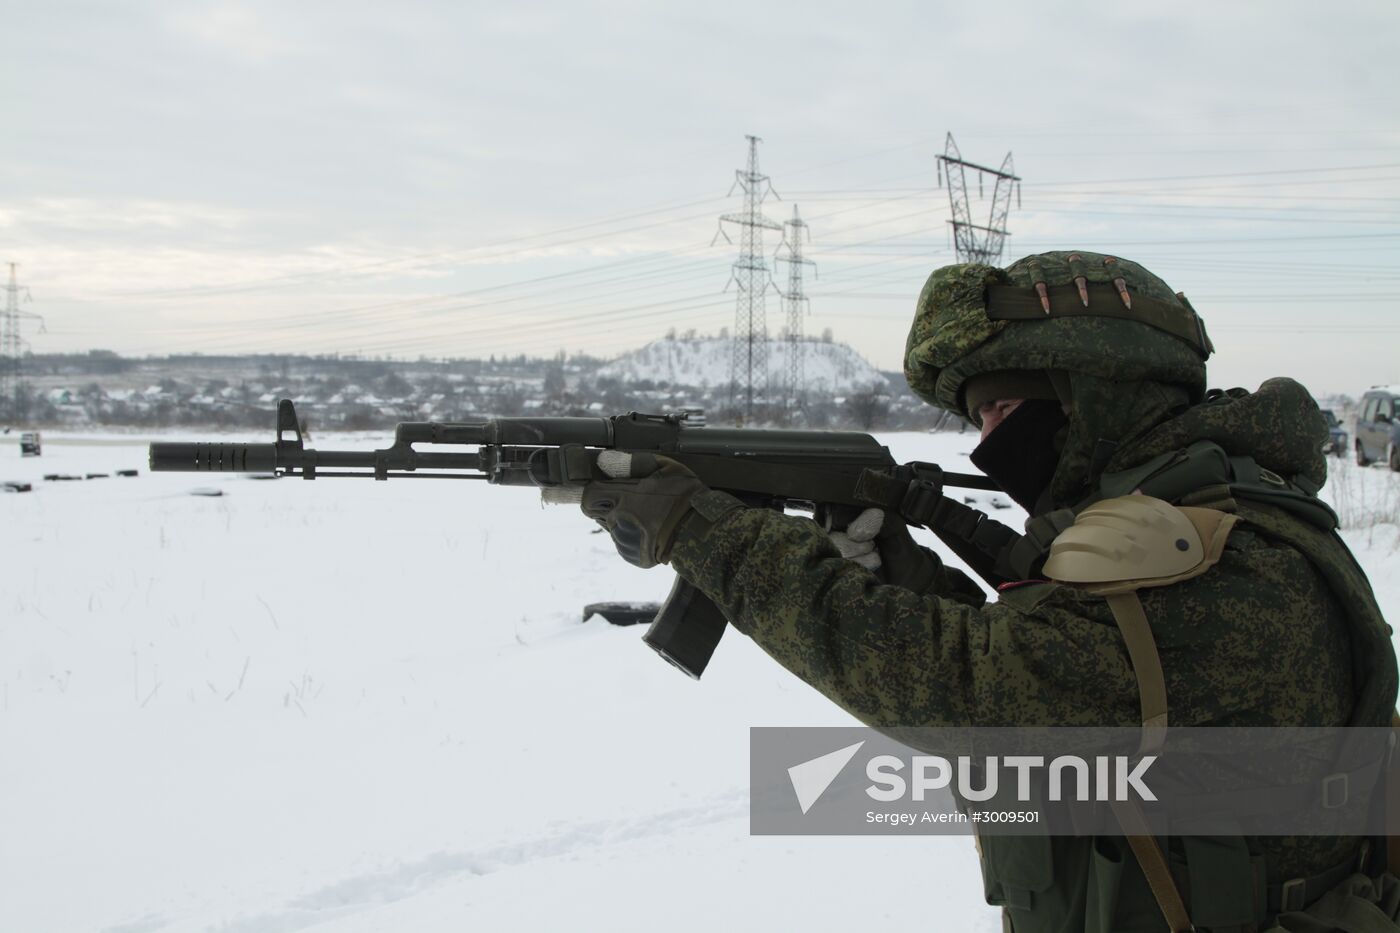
{"x":952,"y":583}
{"x":893,"y":657}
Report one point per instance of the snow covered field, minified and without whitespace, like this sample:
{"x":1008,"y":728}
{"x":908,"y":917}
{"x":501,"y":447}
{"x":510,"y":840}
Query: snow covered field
{"x":358,"y":706}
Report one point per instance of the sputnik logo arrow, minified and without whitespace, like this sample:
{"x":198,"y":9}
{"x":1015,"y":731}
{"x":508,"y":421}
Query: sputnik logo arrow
{"x":811,"y":778}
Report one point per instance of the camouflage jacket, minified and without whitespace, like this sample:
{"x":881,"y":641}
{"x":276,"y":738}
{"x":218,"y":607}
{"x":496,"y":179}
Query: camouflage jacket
{"x":1260,"y":640}
{"x":1265,"y":638}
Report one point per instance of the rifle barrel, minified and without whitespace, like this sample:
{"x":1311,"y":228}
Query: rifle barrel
{"x":213,"y":458}
{"x":269,"y":458}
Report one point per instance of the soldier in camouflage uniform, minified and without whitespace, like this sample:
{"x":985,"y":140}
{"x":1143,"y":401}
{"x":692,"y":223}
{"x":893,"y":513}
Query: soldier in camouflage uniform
{"x":1086,"y":368}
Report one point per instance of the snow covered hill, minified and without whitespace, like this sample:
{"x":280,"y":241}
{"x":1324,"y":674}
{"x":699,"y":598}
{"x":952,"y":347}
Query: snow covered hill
{"x":831,"y":368}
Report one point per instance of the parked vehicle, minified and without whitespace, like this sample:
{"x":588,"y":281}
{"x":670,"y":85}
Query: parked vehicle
{"x":1336,"y":444}
{"x":29,"y":444}
{"x":1377,"y":430}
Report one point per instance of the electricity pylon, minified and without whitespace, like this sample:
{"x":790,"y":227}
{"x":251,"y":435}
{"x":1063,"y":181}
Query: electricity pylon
{"x":749,"y":364}
{"x":973,"y":242}
{"x":798,"y":305}
{"x":12,"y":344}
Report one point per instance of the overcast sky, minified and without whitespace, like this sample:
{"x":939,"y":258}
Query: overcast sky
{"x":473,"y":178}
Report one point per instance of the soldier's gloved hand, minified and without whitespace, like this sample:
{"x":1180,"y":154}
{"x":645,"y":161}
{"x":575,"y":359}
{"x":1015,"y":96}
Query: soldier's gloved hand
{"x":641,"y":504}
{"x":881,"y":542}
{"x":857,"y":541}
{"x":903,"y":561}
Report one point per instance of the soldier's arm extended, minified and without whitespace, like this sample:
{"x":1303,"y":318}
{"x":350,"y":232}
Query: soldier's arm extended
{"x":890,"y":656}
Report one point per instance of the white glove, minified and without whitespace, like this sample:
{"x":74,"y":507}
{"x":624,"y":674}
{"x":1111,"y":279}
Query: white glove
{"x":561,"y":495}
{"x":857,"y":542}
{"x":614,"y":463}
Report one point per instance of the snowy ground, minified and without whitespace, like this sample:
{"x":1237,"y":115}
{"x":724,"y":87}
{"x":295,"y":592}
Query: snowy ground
{"x":358,"y":706}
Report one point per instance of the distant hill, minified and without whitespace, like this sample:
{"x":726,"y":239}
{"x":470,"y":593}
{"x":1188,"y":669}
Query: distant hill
{"x":831,"y":368}
{"x":353,"y":393}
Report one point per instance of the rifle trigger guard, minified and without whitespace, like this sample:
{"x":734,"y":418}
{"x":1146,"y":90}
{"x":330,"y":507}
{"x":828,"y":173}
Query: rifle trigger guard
{"x":567,"y":465}
{"x":540,"y":455}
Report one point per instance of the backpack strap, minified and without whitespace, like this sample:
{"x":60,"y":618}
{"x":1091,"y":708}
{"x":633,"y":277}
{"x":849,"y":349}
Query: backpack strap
{"x":1114,"y":549}
{"x":1147,"y":664}
{"x":1154,"y":867}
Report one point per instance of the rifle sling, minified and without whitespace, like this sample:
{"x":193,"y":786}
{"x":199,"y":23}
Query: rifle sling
{"x":977,"y":540}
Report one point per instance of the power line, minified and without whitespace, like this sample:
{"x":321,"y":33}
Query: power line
{"x":455,"y":256}
{"x":1257,"y":174}
{"x":515,"y":308}
{"x":391,"y":318}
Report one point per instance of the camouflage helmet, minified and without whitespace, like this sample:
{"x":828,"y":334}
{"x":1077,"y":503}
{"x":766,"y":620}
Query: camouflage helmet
{"x":1057,"y":312}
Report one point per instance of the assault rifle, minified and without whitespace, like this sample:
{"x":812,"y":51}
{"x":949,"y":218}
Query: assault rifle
{"x":833,"y":474}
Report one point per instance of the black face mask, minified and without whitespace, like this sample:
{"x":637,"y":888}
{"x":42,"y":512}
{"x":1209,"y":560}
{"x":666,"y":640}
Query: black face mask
{"x":1020,"y":454}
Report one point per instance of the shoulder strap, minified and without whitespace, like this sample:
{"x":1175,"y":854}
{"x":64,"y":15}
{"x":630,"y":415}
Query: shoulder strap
{"x":1154,"y":867}
{"x":1174,"y":545}
{"x":1147,"y":664}
{"x":1152,"y":696}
